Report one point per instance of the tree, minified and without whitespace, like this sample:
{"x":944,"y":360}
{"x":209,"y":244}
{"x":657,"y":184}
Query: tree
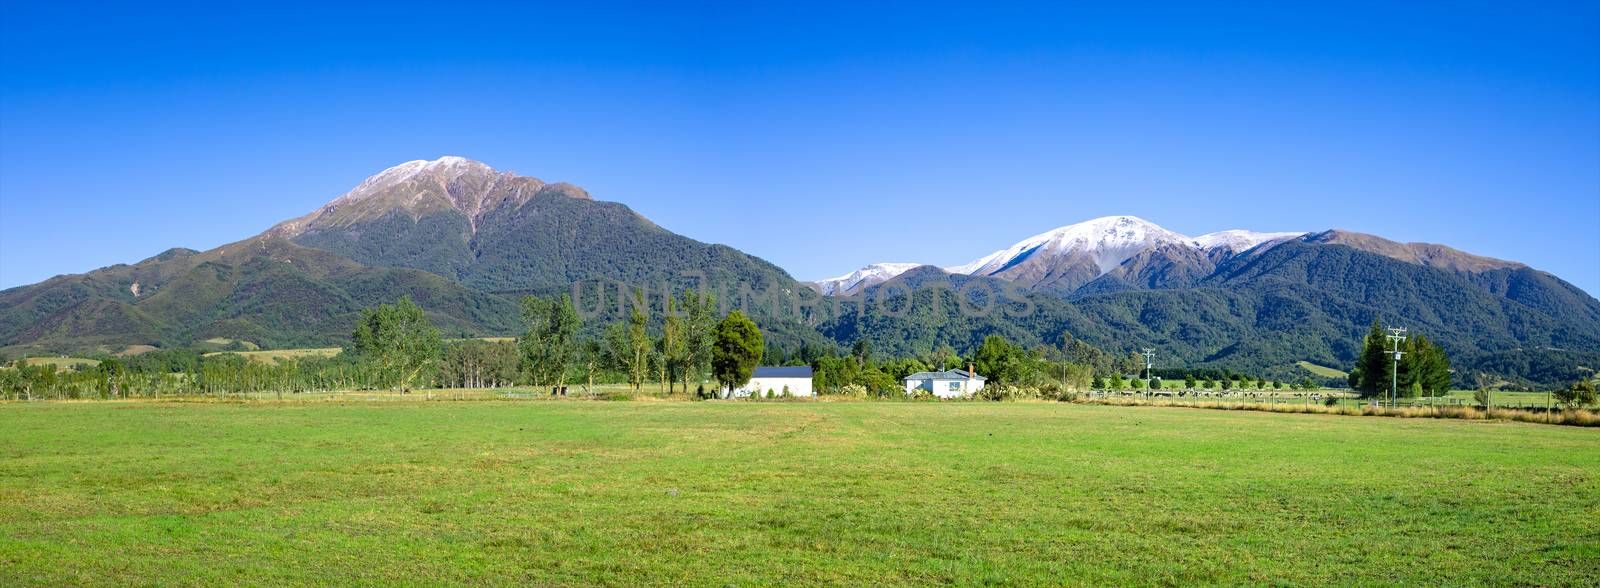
{"x":832,"y":374}
{"x":863,"y":351}
{"x":1429,"y":367}
{"x":674,"y":348}
{"x":475,"y":363}
{"x":1482,"y":395}
{"x":399,"y":343}
{"x":629,"y":348}
{"x":999,"y":360}
{"x":736,"y":351}
{"x":699,"y":317}
{"x":1580,"y":393}
{"x":547,"y":347}
{"x":1078,"y":377}
{"x":1188,"y":381}
{"x":1371,"y":375}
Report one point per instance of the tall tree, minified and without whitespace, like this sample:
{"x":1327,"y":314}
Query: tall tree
{"x":673,"y":348}
{"x":736,"y":352}
{"x":399,"y":343}
{"x":1371,"y":375}
{"x":551,"y":339}
{"x":999,"y":360}
{"x":699,"y":319}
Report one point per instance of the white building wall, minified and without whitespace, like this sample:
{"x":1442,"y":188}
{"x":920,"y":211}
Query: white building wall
{"x":946,"y":388}
{"x":797,"y":387}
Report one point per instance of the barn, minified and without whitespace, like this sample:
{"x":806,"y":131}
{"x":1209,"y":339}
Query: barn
{"x":796,"y":381}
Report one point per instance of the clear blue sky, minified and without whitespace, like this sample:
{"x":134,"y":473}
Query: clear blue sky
{"x":822,"y":137}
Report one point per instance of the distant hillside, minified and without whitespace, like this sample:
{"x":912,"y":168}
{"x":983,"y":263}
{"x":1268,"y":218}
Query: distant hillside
{"x":1264,"y":312}
{"x":462,"y":239}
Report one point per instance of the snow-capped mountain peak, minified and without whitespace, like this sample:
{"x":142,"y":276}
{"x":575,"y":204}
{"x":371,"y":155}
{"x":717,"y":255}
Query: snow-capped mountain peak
{"x":853,"y":282}
{"x":1239,"y":240}
{"x":1109,"y":241}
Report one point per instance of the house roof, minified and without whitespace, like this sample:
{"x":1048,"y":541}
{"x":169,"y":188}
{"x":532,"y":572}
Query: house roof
{"x":783,"y":372}
{"x":945,"y":375}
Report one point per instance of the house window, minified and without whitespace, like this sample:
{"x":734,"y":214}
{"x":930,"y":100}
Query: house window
{"x":955,"y":386}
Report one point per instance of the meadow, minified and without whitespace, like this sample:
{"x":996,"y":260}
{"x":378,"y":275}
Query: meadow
{"x":746,"y":493}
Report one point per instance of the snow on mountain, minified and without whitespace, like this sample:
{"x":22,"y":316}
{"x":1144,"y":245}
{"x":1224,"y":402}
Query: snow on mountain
{"x":853,"y":282}
{"x":1108,"y":241}
{"x":1072,"y":255}
{"x":448,"y":167}
{"x":1238,"y":240}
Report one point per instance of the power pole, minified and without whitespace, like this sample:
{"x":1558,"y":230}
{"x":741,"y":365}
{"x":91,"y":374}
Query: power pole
{"x":1149,"y":356}
{"x":1397,"y":335}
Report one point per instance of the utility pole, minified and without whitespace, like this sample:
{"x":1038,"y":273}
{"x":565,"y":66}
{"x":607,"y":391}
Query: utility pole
{"x":1397,"y":335}
{"x":1149,"y":356}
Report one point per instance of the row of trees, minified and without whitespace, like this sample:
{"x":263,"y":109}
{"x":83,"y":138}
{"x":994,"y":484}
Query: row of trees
{"x":685,"y":345}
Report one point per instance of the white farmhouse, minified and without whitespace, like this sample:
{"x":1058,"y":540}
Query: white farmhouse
{"x":947,"y":384}
{"x":795,"y":380}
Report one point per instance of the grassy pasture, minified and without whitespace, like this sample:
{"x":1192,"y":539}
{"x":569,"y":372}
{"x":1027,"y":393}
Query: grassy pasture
{"x":220,"y":342}
{"x":61,"y":363}
{"x":720,"y":493}
{"x":274,"y":355}
{"x":1321,"y":371}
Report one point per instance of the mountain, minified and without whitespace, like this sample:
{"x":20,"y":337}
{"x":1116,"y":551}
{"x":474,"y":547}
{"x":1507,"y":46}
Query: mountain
{"x":1104,"y":254}
{"x":500,"y":232}
{"x":858,"y":280}
{"x":264,"y":289}
{"x":1246,"y":300}
{"x":465,"y":240}
{"x":458,"y":236}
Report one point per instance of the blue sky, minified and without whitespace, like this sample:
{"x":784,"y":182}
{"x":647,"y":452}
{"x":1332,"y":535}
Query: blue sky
{"x":820,"y":137}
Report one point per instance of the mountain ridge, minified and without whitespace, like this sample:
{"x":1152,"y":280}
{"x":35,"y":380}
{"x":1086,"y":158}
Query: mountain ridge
{"x":464,"y":240}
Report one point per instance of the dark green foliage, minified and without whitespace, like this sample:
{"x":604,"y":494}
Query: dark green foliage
{"x":1372,"y":373}
{"x":736,"y":351}
{"x":1579,"y":393}
{"x":1000,"y":361}
{"x":263,"y":290}
{"x":1263,"y":313}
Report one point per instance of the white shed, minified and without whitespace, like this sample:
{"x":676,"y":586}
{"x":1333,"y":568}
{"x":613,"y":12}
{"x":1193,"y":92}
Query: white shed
{"x":795,"y":380}
{"x":946,"y":384}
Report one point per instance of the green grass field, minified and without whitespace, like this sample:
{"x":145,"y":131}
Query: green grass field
{"x":1320,"y":370}
{"x":741,"y":493}
{"x":221,"y":342}
{"x":273,"y":355}
{"x":61,"y":363}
